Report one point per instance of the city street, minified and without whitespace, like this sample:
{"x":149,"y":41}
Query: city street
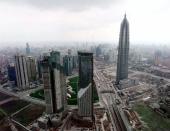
{"x":107,"y":97}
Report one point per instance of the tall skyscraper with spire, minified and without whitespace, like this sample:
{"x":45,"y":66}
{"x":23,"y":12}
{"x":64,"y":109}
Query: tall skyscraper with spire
{"x":123,"y":51}
{"x":28,"y":49}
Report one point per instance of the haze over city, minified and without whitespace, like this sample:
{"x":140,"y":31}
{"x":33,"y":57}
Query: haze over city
{"x":83,"y":21}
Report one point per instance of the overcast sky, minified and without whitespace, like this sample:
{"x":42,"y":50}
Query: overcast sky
{"x":83,"y":20}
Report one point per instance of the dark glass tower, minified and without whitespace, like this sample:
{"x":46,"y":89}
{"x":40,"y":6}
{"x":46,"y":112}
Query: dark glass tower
{"x":85,"y":69}
{"x":68,"y":64}
{"x":123,"y":51}
{"x":85,"y":85}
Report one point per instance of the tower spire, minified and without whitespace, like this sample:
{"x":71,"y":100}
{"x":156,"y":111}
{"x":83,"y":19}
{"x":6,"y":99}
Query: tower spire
{"x":125,"y":15}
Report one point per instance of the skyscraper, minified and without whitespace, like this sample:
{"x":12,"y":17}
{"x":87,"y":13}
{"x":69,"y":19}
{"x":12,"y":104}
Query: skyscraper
{"x":31,"y":68}
{"x":68,"y":64}
{"x":54,"y":83}
{"x":39,"y":67}
{"x":85,"y":85}
{"x":98,"y":51}
{"x":75,"y":61}
{"x":27,"y":49}
{"x":21,"y":72}
{"x":47,"y":84}
{"x":12,"y":74}
{"x":85,"y":105}
{"x":123,"y":51}
{"x":157,"y":58}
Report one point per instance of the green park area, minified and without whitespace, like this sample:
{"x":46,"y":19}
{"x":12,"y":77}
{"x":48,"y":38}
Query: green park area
{"x":152,"y":120}
{"x":39,"y":94}
{"x":73,"y":82}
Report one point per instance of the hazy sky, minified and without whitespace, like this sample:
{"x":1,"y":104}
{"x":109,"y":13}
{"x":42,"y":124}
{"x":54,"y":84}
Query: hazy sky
{"x":83,"y":20}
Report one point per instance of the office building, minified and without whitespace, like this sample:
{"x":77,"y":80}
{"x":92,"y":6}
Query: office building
{"x":21,"y":72}
{"x":56,"y":80}
{"x":157,"y":58}
{"x":31,"y":69}
{"x":85,"y":85}
{"x":47,"y":84}
{"x":123,"y":51}
{"x":75,"y":61}
{"x":12,"y":74}
{"x":39,"y":68}
{"x":98,"y":51}
{"x":54,"y":83}
{"x":68,"y":64}
{"x":63,"y":87}
{"x":112,"y":55}
{"x":69,"y":52}
{"x":85,"y":105}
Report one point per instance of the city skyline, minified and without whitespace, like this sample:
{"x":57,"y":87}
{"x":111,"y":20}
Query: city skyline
{"x":80,"y":65}
{"x":90,"y":21}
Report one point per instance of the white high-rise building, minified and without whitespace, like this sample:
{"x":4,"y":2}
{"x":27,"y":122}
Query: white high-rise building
{"x":21,"y":72}
{"x":85,"y":104}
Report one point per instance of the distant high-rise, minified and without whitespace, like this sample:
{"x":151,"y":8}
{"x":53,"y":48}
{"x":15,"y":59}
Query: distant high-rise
{"x":123,"y":51}
{"x":157,"y":58}
{"x":98,"y":51}
{"x":28,"y":51}
{"x":69,"y":51}
{"x":75,"y":61}
{"x":85,"y":85}
{"x":68,"y":64}
{"x":39,"y":67}
{"x":54,"y":83}
{"x":21,"y":72}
